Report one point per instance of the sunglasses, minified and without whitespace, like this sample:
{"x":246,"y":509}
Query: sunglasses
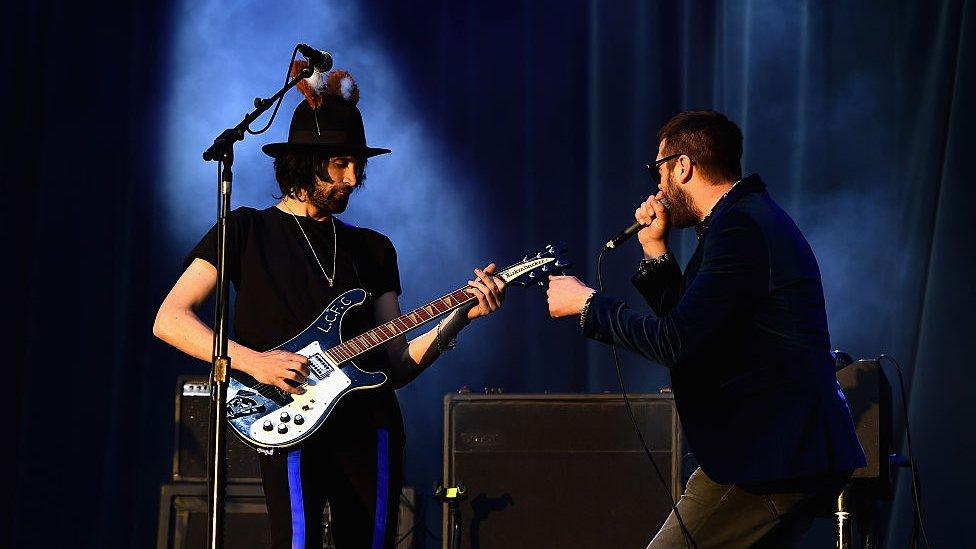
{"x":652,"y":169}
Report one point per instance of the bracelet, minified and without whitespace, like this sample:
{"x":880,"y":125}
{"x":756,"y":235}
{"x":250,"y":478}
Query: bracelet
{"x":586,"y":306}
{"x":441,"y":348}
{"x":647,"y":266}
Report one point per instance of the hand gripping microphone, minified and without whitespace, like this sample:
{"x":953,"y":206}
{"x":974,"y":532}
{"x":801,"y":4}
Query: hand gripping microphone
{"x":628,"y":232}
{"x":321,"y":61}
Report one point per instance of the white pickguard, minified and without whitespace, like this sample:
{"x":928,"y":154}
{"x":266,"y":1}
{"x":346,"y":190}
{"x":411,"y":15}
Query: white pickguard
{"x":305,"y":410}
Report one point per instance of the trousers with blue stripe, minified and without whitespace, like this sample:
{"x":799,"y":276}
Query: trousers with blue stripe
{"x":359,"y":475}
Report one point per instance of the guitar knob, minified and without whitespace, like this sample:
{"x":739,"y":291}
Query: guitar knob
{"x":267,"y":425}
{"x":282,"y":428}
{"x":299,"y":419}
{"x":284,"y":417}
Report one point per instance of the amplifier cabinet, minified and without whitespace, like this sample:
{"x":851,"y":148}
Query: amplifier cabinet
{"x":191,"y":437}
{"x":868,"y":394}
{"x":183,"y":517}
{"x":560,"y":470}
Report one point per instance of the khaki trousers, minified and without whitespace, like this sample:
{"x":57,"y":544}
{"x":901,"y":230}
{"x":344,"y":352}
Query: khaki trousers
{"x":762,"y":515}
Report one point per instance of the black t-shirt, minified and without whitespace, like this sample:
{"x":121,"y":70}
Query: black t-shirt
{"x":281,"y":290}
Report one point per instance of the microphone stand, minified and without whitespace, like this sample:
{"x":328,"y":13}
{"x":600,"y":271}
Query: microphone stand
{"x":222,"y":151}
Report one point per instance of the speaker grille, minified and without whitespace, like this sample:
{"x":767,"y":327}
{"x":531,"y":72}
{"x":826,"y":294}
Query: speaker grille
{"x":560,"y":470}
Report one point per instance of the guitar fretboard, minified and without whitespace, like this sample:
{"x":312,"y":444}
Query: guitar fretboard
{"x":358,"y":345}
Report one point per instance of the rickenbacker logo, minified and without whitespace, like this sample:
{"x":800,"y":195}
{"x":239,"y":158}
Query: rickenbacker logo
{"x":514,"y":272}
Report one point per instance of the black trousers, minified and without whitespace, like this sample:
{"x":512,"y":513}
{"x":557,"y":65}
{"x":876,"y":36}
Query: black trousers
{"x":359,"y":474}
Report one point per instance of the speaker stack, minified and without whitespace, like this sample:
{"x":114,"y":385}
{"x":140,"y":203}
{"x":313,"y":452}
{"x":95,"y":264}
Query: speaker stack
{"x":183,"y":503}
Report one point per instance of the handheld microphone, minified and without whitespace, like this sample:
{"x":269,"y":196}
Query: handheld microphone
{"x":623,"y":235}
{"x":321,"y":61}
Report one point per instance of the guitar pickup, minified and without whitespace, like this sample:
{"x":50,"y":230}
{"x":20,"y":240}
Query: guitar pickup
{"x":319,"y":366}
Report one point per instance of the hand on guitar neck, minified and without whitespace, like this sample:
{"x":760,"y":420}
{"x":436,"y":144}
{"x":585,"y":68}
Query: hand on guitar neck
{"x":488,"y":289}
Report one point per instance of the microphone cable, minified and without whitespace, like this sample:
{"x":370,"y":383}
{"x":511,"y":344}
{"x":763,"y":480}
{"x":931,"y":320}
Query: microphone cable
{"x":274,"y":113}
{"x":689,"y":541}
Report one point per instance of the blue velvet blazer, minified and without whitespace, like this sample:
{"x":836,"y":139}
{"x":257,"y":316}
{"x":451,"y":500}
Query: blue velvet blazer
{"x":744,"y":334}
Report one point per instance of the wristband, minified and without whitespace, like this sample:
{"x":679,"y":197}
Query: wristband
{"x":441,"y":348}
{"x":586,"y":306}
{"x":648,"y":266}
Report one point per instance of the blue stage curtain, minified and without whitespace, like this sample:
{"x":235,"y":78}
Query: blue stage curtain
{"x":89,"y":412}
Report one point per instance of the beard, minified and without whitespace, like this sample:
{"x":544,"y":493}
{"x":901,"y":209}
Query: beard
{"x":682,"y":212}
{"x":330,"y":198}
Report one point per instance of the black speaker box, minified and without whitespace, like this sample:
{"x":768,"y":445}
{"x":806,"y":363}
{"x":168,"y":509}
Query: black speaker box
{"x":183,"y":517}
{"x":560,"y":470}
{"x":191,"y":436}
{"x":868,"y":394}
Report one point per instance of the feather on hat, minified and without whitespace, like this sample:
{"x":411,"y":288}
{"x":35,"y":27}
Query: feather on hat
{"x":328,"y":119}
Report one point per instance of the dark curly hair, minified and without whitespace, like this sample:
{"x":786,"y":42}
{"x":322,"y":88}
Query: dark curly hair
{"x":295,"y":171}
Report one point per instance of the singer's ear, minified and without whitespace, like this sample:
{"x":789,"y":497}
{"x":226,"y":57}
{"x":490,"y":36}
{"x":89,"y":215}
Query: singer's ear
{"x":686,"y":166}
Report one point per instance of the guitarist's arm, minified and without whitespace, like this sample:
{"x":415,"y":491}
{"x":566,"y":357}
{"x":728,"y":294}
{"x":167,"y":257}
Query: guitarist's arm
{"x":409,"y":359}
{"x":177,"y":323}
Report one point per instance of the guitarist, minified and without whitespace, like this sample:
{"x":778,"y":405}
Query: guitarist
{"x":287,"y":263}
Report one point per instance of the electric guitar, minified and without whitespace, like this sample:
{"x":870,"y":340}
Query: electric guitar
{"x":270,"y":419}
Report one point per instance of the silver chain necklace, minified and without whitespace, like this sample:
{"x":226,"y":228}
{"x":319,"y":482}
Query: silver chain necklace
{"x":328,"y":278}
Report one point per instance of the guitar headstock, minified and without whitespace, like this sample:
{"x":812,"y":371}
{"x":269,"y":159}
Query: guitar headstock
{"x":534,"y":269}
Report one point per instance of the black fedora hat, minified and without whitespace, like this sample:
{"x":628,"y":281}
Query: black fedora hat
{"x":328,"y":120}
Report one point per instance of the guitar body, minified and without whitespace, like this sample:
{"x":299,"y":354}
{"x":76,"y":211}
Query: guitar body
{"x":268,"y":418}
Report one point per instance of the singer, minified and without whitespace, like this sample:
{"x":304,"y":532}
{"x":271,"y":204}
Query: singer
{"x":744,"y":334}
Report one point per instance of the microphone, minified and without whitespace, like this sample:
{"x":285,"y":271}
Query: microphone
{"x":627,"y":233}
{"x":321,"y":61}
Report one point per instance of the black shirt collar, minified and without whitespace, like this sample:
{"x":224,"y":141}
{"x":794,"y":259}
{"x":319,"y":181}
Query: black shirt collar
{"x":748,"y":184}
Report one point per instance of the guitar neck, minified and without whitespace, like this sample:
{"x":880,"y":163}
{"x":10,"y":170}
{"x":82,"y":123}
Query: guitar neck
{"x":358,"y":345}
{"x":379,"y":335}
